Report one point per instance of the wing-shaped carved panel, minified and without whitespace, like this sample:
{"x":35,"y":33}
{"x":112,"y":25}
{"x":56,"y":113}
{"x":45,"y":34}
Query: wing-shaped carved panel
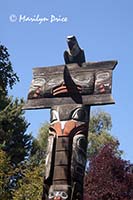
{"x":72,"y":84}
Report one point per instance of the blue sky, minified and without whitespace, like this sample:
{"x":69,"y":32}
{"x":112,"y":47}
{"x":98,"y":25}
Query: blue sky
{"x":104,"y":30}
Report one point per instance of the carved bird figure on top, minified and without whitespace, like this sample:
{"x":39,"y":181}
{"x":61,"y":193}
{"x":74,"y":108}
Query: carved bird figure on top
{"x":74,"y":54}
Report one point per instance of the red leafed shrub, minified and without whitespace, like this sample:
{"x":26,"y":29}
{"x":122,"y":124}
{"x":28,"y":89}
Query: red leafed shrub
{"x":108,"y":177}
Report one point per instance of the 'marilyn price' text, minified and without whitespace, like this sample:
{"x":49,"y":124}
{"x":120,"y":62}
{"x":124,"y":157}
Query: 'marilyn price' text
{"x":39,"y":20}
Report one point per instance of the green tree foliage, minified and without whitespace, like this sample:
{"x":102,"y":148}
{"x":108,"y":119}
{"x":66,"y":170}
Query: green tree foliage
{"x":12,"y":122}
{"x":39,"y":144}
{"x":100,"y":122}
{"x":7,"y":76}
{"x":108,"y":177}
{"x":14,"y":142}
{"x":42,"y":136}
{"x":99,"y":133}
{"x":12,"y":128}
{"x":5,"y":174}
{"x":30,"y":187}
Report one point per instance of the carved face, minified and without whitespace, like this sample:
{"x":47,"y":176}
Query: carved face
{"x":74,"y":121}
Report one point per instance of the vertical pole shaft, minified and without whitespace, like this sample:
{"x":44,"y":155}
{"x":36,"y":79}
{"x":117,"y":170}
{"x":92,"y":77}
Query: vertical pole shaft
{"x":66,"y":158}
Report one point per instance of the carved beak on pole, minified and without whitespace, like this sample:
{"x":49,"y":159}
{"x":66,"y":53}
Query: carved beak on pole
{"x":72,"y":88}
{"x":71,"y":40}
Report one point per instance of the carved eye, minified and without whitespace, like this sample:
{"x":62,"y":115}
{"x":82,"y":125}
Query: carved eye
{"x":64,"y":195}
{"x":51,"y":195}
{"x":38,"y":82}
{"x":80,"y":115}
{"x":54,"y":116}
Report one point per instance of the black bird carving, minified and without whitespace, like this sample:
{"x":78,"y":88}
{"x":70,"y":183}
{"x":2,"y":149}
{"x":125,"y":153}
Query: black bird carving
{"x":74,"y":54}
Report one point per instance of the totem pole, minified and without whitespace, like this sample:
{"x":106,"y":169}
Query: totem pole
{"x":69,"y":90}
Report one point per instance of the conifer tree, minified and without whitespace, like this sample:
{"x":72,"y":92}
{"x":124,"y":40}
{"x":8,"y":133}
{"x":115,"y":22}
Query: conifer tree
{"x":13,"y":139}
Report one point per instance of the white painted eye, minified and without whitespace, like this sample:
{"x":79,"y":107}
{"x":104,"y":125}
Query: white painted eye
{"x":103,"y":76}
{"x":38,"y":82}
{"x":80,"y":115}
{"x":51,"y":195}
{"x":64,"y":195}
{"x":75,"y":115}
{"x":54,"y":116}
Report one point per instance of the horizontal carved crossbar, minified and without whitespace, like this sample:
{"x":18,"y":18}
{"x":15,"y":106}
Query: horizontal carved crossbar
{"x":91,"y":100}
{"x":89,"y":84}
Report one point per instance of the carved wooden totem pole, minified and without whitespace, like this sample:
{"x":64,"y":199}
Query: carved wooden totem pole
{"x":69,"y":90}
